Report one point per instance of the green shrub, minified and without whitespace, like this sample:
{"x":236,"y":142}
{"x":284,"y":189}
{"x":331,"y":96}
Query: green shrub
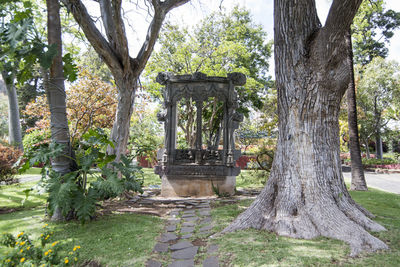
{"x":384,"y":161}
{"x":43,"y":252}
{"x":8,"y":157}
{"x":36,"y":138}
{"x":71,"y":193}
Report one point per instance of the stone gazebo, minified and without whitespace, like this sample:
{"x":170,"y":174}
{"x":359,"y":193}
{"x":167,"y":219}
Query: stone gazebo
{"x":199,"y":171}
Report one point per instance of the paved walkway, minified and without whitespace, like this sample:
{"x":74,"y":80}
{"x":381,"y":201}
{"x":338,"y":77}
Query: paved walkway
{"x":382,"y":181}
{"x":185,"y":242}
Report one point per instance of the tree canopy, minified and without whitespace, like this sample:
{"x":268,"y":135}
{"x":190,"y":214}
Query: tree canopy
{"x":221,"y":43}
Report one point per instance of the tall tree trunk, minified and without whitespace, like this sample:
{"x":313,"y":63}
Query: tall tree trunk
{"x":378,"y":144}
{"x":56,"y":95}
{"x":357,"y":172}
{"x":14,"y":123}
{"x":120,"y":131}
{"x":366,"y":143}
{"x":305,"y":196}
{"x":378,"y":139}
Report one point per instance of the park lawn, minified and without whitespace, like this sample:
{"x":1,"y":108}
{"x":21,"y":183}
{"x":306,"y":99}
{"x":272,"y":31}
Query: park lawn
{"x":112,"y":240}
{"x":13,"y":196}
{"x":261,"y":248}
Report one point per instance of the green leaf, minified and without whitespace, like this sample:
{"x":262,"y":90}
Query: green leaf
{"x":70,"y":68}
{"x":85,"y":204}
{"x":46,"y":55}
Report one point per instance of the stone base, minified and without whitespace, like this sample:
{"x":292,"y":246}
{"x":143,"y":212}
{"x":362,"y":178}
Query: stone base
{"x":191,"y":186}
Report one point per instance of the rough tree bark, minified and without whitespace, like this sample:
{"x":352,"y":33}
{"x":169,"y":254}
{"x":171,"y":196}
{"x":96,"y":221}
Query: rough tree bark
{"x":305,"y":196}
{"x":115,"y":53}
{"x":55,"y":90}
{"x":357,"y":171}
{"x":14,"y":124}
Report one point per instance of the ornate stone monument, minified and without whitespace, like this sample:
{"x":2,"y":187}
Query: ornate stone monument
{"x":199,"y":171}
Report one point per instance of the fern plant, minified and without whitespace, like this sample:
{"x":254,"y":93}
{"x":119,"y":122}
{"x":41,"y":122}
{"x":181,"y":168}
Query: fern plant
{"x":71,"y":193}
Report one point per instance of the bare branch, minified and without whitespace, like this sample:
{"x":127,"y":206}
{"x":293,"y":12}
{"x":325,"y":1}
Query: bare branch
{"x":160,"y":10}
{"x":94,"y":36}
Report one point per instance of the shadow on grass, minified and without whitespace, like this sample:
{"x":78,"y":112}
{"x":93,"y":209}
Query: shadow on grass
{"x":12,"y":196}
{"x":261,"y":248}
{"x":114,"y":240}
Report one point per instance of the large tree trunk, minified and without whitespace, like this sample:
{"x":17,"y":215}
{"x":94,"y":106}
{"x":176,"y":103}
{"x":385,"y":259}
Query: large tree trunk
{"x":14,"y":123}
{"x":305,"y":196}
{"x":56,"y":95}
{"x":120,"y":130}
{"x":357,"y":172}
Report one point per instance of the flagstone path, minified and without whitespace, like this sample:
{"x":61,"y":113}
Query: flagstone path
{"x":185,"y":242}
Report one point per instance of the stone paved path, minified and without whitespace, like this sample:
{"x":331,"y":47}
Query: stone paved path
{"x":184,"y":242}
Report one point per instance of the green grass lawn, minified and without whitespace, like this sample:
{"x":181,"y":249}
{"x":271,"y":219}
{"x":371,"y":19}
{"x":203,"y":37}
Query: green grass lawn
{"x":12,"y":196}
{"x":127,"y":239}
{"x":261,"y":248}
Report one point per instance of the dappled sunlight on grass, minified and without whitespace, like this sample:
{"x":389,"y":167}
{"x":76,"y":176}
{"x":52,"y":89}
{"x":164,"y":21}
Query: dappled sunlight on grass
{"x":150,"y":178}
{"x":12,"y":196}
{"x":251,"y":179}
{"x":261,"y":248}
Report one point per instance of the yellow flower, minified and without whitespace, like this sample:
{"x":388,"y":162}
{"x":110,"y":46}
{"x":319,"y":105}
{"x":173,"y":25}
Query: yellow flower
{"x":21,"y":251}
{"x":76,"y":259}
{"x":46,"y":253}
{"x":54,"y":243}
{"x":44,"y":226}
{"x":16,"y":243}
{"x":66,"y":260}
{"x":76,"y":247}
{"x":8,"y":260}
{"x":20,"y":234}
{"x":28,"y":248}
{"x":22,"y":260}
{"x":47,"y":237}
{"x":22,"y":243}
{"x":41,"y":235}
{"x":50,"y":251}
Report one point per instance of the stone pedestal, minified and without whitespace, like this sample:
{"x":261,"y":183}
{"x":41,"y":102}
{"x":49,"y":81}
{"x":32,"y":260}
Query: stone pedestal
{"x":197,"y":180}
{"x":183,"y":186}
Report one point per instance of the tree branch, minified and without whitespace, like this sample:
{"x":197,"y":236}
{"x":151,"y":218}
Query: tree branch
{"x":94,"y":36}
{"x":121,"y":41}
{"x":160,"y":11}
{"x":341,"y":15}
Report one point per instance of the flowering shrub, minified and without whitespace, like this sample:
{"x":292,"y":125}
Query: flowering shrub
{"x":8,"y":157}
{"x":25,"y":252}
{"x":35,"y":138}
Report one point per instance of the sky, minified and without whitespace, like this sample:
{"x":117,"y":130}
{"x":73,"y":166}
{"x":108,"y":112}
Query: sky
{"x":262,"y":12}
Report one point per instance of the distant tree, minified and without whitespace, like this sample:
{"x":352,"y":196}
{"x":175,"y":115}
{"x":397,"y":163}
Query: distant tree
{"x":91,"y":103}
{"x":146,"y":133}
{"x":378,"y":92}
{"x":371,"y":18}
{"x":372,"y":29}
{"x":16,"y":23}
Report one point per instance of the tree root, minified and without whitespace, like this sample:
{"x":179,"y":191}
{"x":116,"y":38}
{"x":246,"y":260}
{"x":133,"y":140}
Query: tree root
{"x":343,"y":221}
